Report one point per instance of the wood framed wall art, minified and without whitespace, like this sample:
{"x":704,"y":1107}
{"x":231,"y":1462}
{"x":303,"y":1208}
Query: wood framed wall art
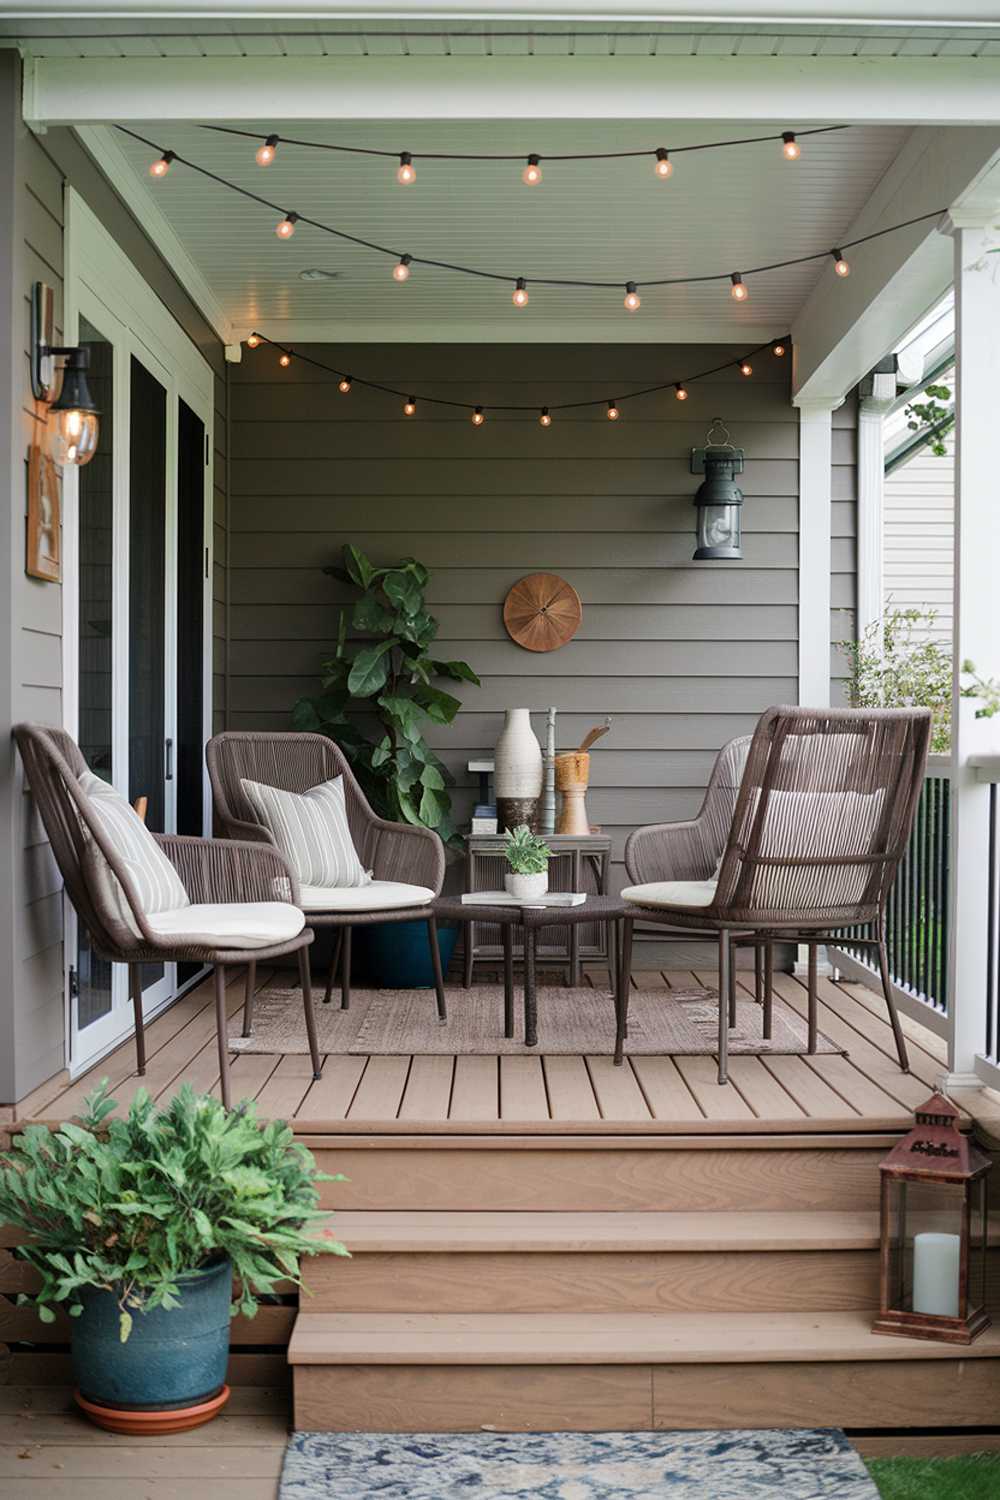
{"x":43,"y":542}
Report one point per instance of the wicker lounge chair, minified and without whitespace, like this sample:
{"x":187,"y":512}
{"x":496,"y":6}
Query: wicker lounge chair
{"x":800,"y":835}
{"x":246,"y":892}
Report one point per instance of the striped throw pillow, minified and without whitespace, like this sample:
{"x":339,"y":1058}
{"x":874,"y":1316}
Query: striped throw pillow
{"x":311,"y":830}
{"x":155,"y":883}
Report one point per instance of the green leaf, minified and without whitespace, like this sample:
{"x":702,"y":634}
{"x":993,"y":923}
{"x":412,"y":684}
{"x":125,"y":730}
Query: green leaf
{"x":124,"y":1325}
{"x":404,"y":590}
{"x":359,"y":569}
{"x":430,"y":808}
{"x":369,"y":670}
{"x":371,"y":615}
{"x":382,"y":752}
{"x":458,"y":671}
{"x":439,"y":706}
{"x":431,"y":778}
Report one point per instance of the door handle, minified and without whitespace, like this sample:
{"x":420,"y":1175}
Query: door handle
{"x":168,"y":770}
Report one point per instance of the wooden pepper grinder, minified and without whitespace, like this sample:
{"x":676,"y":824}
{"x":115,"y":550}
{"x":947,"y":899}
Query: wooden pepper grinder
{"x":572,"y":780}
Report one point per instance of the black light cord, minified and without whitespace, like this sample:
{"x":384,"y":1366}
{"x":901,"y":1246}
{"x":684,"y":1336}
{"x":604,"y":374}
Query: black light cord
{"x":512,"y":277}
{"x":649,"y":151}
{"x":680,"y":383}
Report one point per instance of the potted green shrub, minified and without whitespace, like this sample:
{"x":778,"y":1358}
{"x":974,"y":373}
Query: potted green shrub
{"x":136,"y":1225}
{"x":528,"y":856}
{"x":379,"y":691}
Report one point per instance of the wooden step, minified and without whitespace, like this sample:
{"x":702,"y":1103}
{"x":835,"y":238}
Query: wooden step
{"x":603,"y":1174}
{"x":592,"y":1371}
{"x":550,"y":1262}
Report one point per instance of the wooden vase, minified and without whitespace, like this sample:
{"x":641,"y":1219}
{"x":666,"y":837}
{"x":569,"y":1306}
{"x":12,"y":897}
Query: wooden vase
{"x":572,"y":778}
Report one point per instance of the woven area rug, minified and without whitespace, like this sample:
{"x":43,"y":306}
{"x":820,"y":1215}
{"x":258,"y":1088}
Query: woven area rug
{"x":681,"y":1023}
{"x":809,"y":1464}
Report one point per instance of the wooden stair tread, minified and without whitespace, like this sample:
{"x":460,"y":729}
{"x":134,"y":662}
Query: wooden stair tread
{"x":368,"y":1231}
{"x":365,"y":1338}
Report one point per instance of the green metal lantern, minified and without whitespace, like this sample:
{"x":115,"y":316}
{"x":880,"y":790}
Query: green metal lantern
{"x":719,"y":499}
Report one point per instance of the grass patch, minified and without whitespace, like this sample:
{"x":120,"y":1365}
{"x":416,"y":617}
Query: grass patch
{"x":974,"y":1476}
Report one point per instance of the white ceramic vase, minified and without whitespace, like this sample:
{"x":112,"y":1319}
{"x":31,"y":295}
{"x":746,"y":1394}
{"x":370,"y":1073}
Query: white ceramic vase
{"x":526,"y":887}
{"x":517,"y":758}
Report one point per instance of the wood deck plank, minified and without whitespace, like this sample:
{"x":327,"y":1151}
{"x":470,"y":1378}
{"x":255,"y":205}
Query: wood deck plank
{"x":762,"y":1090}
{"x":428,"y":1089}
{"x":873,"y":1001}
{"x":330,"y":1097}
{"x":570,"y":1091}
{"x":285,"y":1089}
{"x":380,"y":1092}
{"x":666,"y":1093}
{"x":717,"y":1101}
{"x":475,"y":1093}
{"x":814,"y":1096}
{"x":876,"y":1029}
{"x":522,"y":1089}
{"x":855,"y":1087}
{"x":617,"y":1090}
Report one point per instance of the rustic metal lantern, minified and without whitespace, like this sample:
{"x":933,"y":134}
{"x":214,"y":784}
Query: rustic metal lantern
{"x":719,"y":527}
{"x":934,"y":1229}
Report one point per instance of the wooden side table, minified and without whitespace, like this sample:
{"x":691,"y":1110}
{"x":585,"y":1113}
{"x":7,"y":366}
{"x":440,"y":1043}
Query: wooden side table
{"x":582,"y":862}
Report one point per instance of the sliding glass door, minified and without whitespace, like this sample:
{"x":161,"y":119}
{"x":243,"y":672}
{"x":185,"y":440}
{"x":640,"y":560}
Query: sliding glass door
{"x":135,"y":667}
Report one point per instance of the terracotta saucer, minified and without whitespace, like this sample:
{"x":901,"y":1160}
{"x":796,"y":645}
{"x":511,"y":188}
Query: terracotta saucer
{"x":151,"y":1423}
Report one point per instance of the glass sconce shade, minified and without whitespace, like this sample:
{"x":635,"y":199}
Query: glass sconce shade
{"x":719,"y":499}
{"x":73,"y":417}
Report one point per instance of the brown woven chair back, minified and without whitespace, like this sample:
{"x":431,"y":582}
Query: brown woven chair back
{"x":823,"y":815}
{"x":293,"y":762}
{"x":85,"y":856}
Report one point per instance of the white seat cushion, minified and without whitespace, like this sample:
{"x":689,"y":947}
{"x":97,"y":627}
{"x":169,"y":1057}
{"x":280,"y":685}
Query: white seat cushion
{"x":671,"y":893}
{"x":380,"y":895}
{"x":229,"y":924}
{"x":311,"y":830}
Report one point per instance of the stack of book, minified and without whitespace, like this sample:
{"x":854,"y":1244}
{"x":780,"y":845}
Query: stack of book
{"x":484,"y":818}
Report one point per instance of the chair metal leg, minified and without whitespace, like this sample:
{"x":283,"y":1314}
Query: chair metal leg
{"x":331,"y":978}
{"x":732,"y":991}
{"x":725,"y":968}
{"x":885,"y":973}
{"x":508,"y":979}
{"x":432,"y":936}
{"x":345,"y":970}
{"x":758,"y":973}
{"x":307,"y":1003}
{"x":613,"y":965}
{"x":622,"y":989}
{"x":135,"y":987}
{"x":530,"y":994}
{"x":768,"y":990}
{"x":222,"y":1032}
{"x":248,"y":999}
{"x":813,"y":996}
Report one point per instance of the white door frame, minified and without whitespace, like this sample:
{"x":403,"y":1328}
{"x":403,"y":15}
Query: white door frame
{"x":104,"y":286}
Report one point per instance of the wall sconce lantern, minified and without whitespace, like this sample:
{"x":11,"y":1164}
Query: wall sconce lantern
{"x":934,"y":1230}
{"x":73,"y":415}
{"x":719,"y":527}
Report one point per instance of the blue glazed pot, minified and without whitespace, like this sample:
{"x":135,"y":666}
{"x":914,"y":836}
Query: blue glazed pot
{"x":173,"y":1357}
{"x":397,"y":955}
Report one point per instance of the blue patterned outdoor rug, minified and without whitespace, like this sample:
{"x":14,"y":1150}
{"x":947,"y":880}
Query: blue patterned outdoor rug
{"x":809,"y":1464}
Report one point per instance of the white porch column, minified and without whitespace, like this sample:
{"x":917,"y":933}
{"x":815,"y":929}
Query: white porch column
{"x":871,"y":511}
{"x":815,"y":549}
{"x":976,"y":630}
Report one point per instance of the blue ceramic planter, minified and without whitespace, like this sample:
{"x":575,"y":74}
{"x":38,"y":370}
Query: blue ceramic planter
{"x":172,"y":1358}
{"x":397,"y":955}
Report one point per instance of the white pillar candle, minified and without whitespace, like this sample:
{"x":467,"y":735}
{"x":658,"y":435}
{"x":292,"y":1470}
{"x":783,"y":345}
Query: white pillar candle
{"x":935,"y":1274}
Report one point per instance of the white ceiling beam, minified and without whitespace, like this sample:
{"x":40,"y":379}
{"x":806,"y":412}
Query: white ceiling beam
{"x":802,"y":12}
{"x":954,"y":91}
{"x":507,"y":331}
{"x":842,"y":330}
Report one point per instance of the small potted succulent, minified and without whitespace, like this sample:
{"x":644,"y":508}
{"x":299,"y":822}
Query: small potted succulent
{"x":528,"y":856}
{"x":137,"y":1226}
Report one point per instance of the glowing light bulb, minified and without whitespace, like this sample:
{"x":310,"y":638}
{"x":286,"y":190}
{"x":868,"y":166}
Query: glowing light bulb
{"x":344,"y":385}
{"x":284,"y":361}
{"x":545,"y":419}
{"x":265,"y":153}
{"x":406,"y":172}
{"x":401,"y":272}
{"x":253,"y":341}
{"x":520,"y":297}
{"x":778,"y":349}
{"x":664,"y":166}
{"x":840,"y":265}
{"x":738,"y":290}
{"x":632,"y":299}
{"x":478,"y":417}
{"x":162,"y":167}
{"x":532,"y":173}
{"x":790,"y":150}
{"x":410,"y":406}
{"x":680,"y":391}
{"x":746,"y":368}
{"x":286,"y":228}
{"x":613,"y":412}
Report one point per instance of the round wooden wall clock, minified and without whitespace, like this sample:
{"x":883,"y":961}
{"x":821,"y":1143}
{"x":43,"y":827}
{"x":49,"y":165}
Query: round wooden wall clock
{"x":542,"y":612}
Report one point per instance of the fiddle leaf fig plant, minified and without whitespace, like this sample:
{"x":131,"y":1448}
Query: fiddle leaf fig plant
{"x":392,"y":675}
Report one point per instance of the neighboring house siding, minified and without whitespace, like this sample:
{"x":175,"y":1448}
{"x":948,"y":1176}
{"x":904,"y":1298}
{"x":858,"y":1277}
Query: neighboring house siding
{"x":683,"y":655}
{"x":919,"y":512}
{"x":33,"y":173}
